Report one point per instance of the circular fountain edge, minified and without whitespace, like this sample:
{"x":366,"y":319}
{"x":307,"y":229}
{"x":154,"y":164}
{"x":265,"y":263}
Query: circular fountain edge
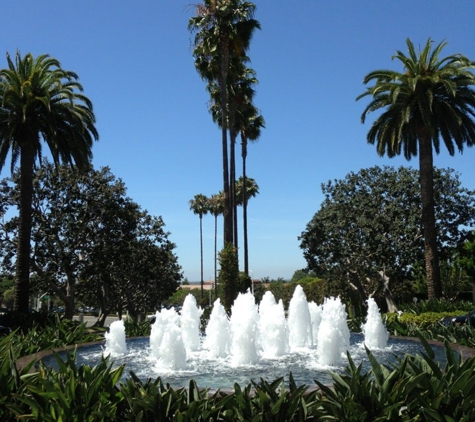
{"x":465,"y":351}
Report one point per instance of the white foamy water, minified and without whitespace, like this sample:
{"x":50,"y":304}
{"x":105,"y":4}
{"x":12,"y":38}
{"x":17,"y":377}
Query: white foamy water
{"x":375,"y":332}
{"x":244,"y":323}
{"x":190,"y":324}
{"x":300,"y":323}
{"x":115,"y":339}
{"x":218,"y":332}
{"x":333,"y":333}
{"x":252,"y":336}
{"x":273,"y":331}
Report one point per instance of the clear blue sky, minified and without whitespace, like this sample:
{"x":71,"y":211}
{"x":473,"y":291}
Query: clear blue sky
{"x":134,"y":59}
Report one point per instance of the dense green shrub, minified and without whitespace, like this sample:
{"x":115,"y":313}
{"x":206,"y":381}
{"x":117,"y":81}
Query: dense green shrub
{"x":315,"y":290}
{"x":415,"y":387}
{"x":428,"y":324}
{"x":228,"y":277}
{"x":282,"y":291}
{"x":137,"y":329}
{"x":423,"y":319}
{"x":56,"y":333}
{"x":437,"y":305}
{"x":180,"y":295}
{"x":24,"y":322}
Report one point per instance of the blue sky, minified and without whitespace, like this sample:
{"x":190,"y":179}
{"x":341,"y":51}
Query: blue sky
{"x":134,"y":59}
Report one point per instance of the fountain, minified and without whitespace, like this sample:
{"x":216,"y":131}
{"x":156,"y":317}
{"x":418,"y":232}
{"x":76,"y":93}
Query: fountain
{"x":254,"y":342}
{"x":333,"y":338}
{"x":273,"y":327}
{"x":115,"y":339}
{"x":375,"y":333}
{"x":300,"y":323}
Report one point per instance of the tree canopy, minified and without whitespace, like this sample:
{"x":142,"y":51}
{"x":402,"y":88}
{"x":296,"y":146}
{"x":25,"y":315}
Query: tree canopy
{"x":88,"y":235}
{"x":368,"y":231}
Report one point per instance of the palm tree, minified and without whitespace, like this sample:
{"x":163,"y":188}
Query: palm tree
{"x":432,"y":99}
{"x":200,"y":205}
{"x":246,"y":188}
{"x":40,"y":101}
{"x":250,"y":130}
{"x":216,"y":207}
{"x":223,"y":29}
{"x":245,"y":118}
{"x":241,"y":95}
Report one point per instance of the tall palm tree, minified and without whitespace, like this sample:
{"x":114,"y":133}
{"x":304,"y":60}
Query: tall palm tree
{"x":244,"y":117}
{"x":40,"y":101}
{"x":250,"y":130}
{"x":223,"y":29}
{"x":200,"y":206}
{"x":246,"y":188}
{"x":432,"y":98}
{"x":216,"y":207}
{"x":241,"y":93}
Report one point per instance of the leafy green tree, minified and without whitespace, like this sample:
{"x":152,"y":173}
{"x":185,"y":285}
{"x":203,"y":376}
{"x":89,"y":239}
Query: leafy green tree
{"x":454,"y":275}
{"x":200,"y":206}
{"x":228,"y":275}
{"x":8,"y":298}
{"x":432,"y":99}
{"x":467,"y":260}
{"x":300,"y":275}
{"x":40,"y":101}
{"x":6,"y":291}
{"x":81,"y":222}
{"x":368,"y":231}
{"x":138,"y":275}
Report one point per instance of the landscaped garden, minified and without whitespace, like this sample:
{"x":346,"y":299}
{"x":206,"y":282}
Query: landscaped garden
{"x":416,"y":387}
{"x":402,"y":237}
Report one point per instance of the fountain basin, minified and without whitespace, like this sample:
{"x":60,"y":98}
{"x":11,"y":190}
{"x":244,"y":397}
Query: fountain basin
{"x":254,"y":342}
{"x":221,"y":374}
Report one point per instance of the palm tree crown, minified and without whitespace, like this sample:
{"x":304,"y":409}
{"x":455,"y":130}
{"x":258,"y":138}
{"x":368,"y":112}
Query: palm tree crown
{"x":251,"y":190}
{"x":432,"y":98}
{"x":40,"y":101}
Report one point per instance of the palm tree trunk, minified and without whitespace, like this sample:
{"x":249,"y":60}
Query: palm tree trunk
{"x":22,"y":276}
{"x":216,"y":255}
{"x":434,"y":287}
{"x":227,"y":214}
{"x":244,"y":206}
{"x":232,"y":179}
{"x":232,"y":169}
{"x":201,"y":254}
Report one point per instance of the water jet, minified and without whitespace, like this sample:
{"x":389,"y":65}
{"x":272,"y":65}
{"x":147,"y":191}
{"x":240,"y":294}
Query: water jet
{"x":256,"y":341}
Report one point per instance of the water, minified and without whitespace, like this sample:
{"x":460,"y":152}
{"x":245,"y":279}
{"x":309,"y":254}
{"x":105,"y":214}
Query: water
{"x":255,"y":342}
{"x":376,"y":335}
{"x":115,"y":339}
{"x":333,"y":338}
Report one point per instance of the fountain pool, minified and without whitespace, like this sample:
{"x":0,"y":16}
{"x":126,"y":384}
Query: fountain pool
{"x":255,"y":342}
